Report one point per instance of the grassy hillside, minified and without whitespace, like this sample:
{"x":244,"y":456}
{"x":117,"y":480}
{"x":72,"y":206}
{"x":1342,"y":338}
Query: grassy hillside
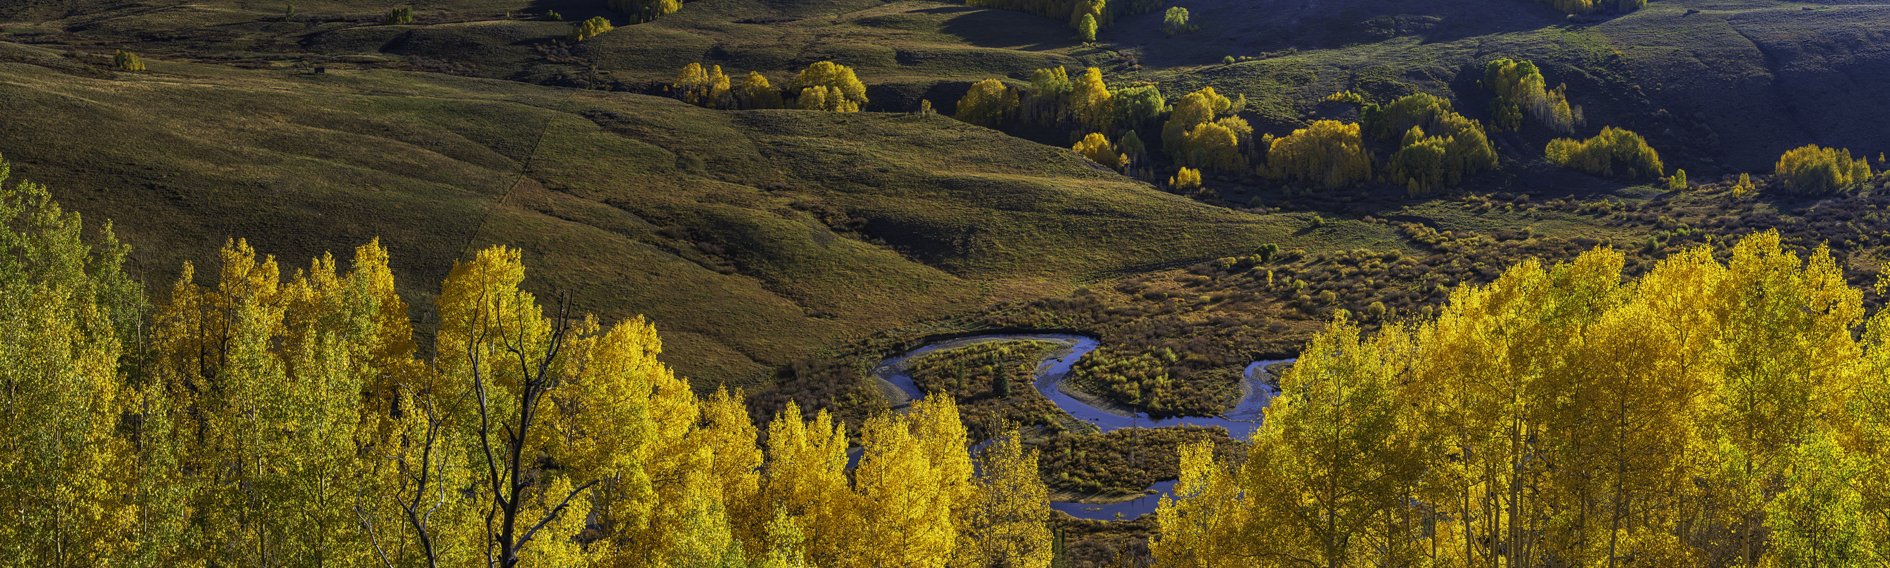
{"x":750,"y":237}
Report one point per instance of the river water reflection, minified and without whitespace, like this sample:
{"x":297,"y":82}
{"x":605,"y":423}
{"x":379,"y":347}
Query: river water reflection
{"x":1239,"y":422}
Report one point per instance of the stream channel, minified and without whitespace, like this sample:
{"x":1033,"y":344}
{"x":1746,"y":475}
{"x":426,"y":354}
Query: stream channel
{"x":1239,"y":422}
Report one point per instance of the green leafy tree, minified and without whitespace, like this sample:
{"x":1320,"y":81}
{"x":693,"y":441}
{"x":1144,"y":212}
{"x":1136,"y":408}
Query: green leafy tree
{"x":1176,"y":21}
{"x":1518,"y":87}
{"x":1086,"y":28}
{"x":1437,"y":147}
{"x":401,"y":15}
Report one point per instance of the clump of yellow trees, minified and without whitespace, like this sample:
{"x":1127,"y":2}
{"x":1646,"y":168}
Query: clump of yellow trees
{"x":1713,"y":413}
{"x":1615,"y":152}
{"x":255,"y":419}
{"x":1814,"y":169}
{"x":1328,"y":152}
{"x":823,"y":85}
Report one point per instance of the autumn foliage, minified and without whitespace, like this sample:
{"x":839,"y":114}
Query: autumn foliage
{"x":822,"y":86}
{"x":127,"y":61}
{"x":989,"y":103}
{"x":1099,"y":149}
{"x":1615,"y":152}
{"x":707,"y":89}
{"x":828,"y":86}
{"x":1329,"y":153}
{"x":1714,"y":413}
{"x":1813,"y":169}
{"x":646,"y":10}
{"x":270,"y":417}
{"x":1518,"y":88}
{"x":1436,"y":146}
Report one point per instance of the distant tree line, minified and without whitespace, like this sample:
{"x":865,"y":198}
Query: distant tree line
{"x":1098,"y":12}
{"x":641,"y":11}
{"x":1592,"y":6}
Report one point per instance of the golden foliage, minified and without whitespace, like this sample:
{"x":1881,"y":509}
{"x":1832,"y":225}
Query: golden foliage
{"x":1345,"y":96}
{"x":757,"y":94}
{"x":1813,"y":169}
{"x":127,"y":61}
{"x":1186,"y":178}
{"x":1192,"y":110}
{"x":1732,"y":405}
{"x":1098,"y":149}
{"x":1613,"y":152}
{"x":989,"y":103}
{"x":641,"y":11}
{"x":591,"y":28}
{"x":1328,"y":152}
{"x":1091,"y":102}
{"x":838,"y":89}
{"x":708,"y":89}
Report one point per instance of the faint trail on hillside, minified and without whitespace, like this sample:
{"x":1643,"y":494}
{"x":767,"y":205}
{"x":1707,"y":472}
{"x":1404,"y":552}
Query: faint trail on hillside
{"x":525,"y":166}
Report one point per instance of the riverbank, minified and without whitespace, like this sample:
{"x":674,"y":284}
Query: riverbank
{"x":1082,"y":411}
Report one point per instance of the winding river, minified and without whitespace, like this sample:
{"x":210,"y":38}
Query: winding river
{"x":1239,"y":422}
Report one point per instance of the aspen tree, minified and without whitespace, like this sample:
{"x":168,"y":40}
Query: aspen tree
{"x":1204,"y":523}
{"x":841,"y":90}
{"x":904,"y":507}
{"x":1007,"y":524}
{"x":1327,"y":152}
{"x":989,"y":103}
{"x":1192,"y":110}
{"x":757,"y":94}
{"x":591,"y":28}
{"x":806,"y":484}
{"x":64,"y":474}
{"x":1813,"y":169}
{"x":1097,"y":148}
{"x":502,"y":356}
{"x":709,"y":89}
{"x":1091,"y":102}
{"x":1613,"y":152}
